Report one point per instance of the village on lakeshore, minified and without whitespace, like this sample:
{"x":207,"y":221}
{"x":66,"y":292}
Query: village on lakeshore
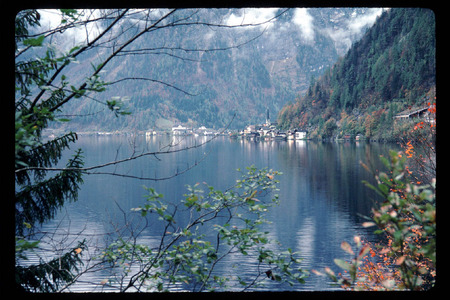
{"x":267,"y":131}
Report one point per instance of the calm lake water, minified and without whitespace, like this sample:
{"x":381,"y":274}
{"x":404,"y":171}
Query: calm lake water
{"x":322,"y":198}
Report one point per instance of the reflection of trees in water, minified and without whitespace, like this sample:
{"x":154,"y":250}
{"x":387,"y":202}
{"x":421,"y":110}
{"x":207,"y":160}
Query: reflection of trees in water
{"x":321,"y":197}
{"x":320,"y":189}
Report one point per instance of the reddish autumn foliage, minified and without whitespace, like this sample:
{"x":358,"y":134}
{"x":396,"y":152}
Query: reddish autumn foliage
{"x":406,"y":257}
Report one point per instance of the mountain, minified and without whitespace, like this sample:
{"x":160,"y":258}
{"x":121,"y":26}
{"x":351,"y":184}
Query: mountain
{"x":272,"y":65}
{"x":390,"y":69}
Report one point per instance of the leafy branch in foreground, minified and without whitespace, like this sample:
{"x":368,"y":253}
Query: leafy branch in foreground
{"x":201,"y":233}
{"x":407,"y":219}
{"x":45,"y":80}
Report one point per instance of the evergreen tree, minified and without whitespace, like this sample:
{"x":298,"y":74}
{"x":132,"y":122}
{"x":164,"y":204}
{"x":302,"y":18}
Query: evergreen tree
{"x":37,"y":195}
{"x":42,"y":89}
{"x":394,"y":60}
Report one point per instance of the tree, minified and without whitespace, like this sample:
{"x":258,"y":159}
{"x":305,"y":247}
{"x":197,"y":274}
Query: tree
{"x":46,"y":78}
{"x":394,"y":59}
{"x":329,"y":127}
{"x":188,"y":256}
{"x":406,"y":258}
{"x":419,"y":144}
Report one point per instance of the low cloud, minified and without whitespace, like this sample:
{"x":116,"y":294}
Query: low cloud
{"x":247,"y":16}
{"x":343,"y":36}
{"x":51,"y":19}
{"x":304,"y":21}
{"x":358,"y":23}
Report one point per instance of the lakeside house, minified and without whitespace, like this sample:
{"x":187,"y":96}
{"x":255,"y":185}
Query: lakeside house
{"x":422,"y":113}
{"x":300,"y":135}
{"x":202,"y":130}
{"x":359,"y":137}
{"x":181,"y":130}
{"x":269,"y":132}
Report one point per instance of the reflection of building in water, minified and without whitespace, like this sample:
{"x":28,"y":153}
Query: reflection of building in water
{"x":305,"y":237}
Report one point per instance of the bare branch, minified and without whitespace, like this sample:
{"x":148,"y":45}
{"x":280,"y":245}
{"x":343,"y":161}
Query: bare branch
{"x":178,"y":173}
{"x":116,"y":161}
{"x":75,"y":54}
{"x":133,"y":157}
{"x":205,"y":50}
{"x":152,"y":80}
{"x":107,"y":60}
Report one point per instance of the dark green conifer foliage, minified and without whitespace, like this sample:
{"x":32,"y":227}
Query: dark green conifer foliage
{"x":50,"y":276}
{"x":393,"y":63}
{"x":38,"y":195}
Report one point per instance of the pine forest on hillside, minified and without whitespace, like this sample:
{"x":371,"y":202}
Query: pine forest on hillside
{"x":390,"y":70}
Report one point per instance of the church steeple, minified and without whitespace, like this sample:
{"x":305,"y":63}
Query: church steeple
{"x":267,"y":117}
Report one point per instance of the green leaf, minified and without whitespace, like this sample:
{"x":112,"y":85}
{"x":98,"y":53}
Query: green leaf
{"x":330,"y":274}
{"x":376,"y":189}
{"x":384,"y":189}
{"x":68,"y":12}
{"x":168,"y":218}
{"x":74,"y":49}
{"x":342,"y":263}
{"x":364,"y":250}
{"x":368,"y":224}
{"x":21,"y":163}
{"x":385,"y":161}
{"x":37,"y":42}
{"x":347,"y":248}
{"x":241,"y":282}
{"x":78,"y":93}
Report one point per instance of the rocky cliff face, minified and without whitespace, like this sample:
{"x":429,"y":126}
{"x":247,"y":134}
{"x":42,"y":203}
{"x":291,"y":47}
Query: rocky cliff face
{"x":273,"y":64}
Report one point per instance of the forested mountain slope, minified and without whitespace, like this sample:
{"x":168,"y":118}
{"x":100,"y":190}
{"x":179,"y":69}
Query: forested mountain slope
{"x":390,"y":69}
{"x":275,"y":65}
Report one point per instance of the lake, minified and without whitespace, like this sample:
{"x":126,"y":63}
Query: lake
{"x":322,"y":199}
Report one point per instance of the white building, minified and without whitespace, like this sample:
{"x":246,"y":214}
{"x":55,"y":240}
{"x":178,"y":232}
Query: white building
{"x":300,"y":135}
{"x":180,"y":130}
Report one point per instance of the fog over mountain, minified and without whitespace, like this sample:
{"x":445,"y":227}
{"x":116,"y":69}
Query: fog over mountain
{"x":273,"y":65}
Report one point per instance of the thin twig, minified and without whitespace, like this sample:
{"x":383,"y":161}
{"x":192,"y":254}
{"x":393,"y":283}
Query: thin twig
{"x":115,"y":162}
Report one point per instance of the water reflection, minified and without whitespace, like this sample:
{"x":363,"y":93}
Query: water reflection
{"x":321,"y":194}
